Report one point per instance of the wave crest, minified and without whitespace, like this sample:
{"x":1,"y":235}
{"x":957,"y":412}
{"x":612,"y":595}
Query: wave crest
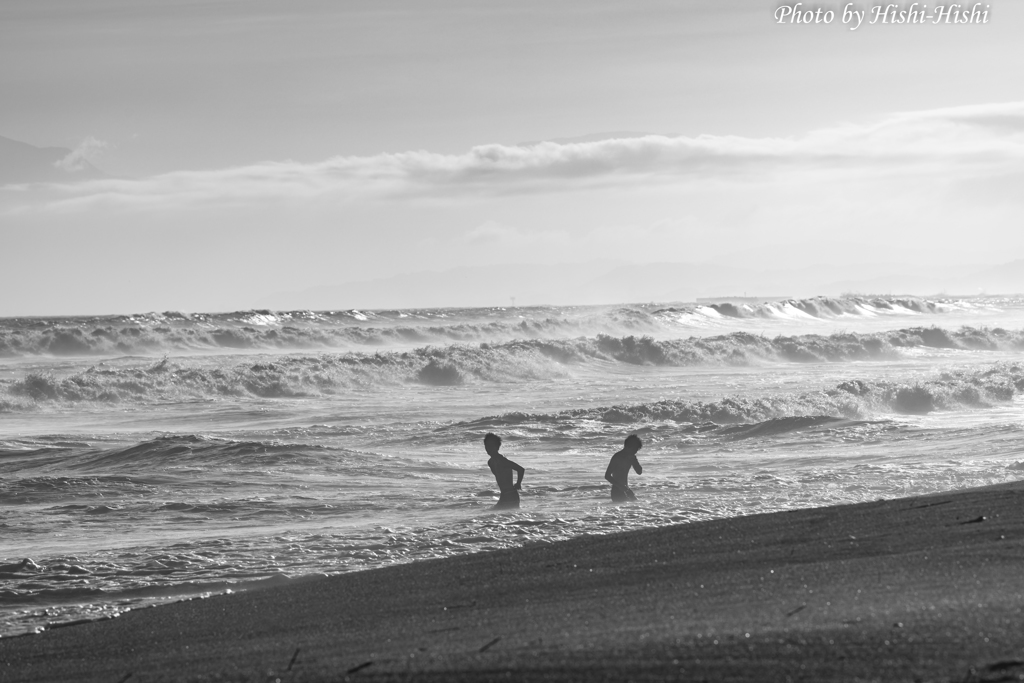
{"x":852,"y":399}
{"x":171,"y":332}
{"x":459,"y":364}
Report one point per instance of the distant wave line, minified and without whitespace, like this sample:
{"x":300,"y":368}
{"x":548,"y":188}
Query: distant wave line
{"x":170,"y":332}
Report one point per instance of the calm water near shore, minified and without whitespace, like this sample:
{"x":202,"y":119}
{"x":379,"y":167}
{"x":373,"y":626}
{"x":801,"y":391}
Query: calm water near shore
{"x":153,"y":457}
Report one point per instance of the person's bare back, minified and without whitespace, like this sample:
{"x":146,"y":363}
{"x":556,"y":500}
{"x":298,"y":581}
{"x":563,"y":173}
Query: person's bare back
{"x":618,"y":469}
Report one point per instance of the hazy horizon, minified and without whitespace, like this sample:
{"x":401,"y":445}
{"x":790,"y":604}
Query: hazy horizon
{"x":597,"y":283}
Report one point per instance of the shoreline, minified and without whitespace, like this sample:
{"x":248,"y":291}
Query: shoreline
{"x":924,"y":588}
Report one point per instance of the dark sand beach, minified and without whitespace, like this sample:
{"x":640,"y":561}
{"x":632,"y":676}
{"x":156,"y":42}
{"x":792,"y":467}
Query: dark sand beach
{"x":916,"y":589}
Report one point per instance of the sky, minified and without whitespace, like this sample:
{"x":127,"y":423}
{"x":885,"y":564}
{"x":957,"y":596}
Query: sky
{"x":253,"y":148}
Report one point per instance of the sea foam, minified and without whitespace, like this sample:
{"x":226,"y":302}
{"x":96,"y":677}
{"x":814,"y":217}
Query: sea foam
{"x":264,"y":330}
{"x":296,"y":376}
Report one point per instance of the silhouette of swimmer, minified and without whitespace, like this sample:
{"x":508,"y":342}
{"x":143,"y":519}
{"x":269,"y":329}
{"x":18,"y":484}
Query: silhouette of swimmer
{"x":618,"y":469}
{"x":502,"y":468}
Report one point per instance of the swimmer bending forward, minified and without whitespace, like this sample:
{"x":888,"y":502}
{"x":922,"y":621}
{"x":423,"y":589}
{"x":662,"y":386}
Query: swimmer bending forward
{"x":618,"y":469}
{"x":502,"y":468}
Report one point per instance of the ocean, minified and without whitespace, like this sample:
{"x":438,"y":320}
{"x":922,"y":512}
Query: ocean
{"x":167,"y":456}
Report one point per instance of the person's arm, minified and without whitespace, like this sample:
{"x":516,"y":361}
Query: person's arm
{"x":636,"y":466}
{"x":608,"y":474}
{"x":520,"y":471}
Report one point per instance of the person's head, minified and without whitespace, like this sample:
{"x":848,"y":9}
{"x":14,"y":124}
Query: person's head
{"x":633,"y":442}
{"x":492,"y":442}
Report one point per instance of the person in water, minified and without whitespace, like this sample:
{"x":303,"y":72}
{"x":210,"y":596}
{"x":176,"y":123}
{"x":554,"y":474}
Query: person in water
{"x":502,"y":468}
{"x":618,"y":469}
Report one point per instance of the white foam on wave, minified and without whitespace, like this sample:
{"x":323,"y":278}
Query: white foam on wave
{"x":261,"y":319}
{"x":788,"y":311}
{"x":900,"y":309}
{"x":256,"y":331}
{"x":867,"y":310}
{"x":700,"y":318}
{"x":709,"y":312}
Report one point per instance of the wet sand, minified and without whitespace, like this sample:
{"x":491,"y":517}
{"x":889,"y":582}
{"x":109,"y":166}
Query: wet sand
{"x":917,"y":589}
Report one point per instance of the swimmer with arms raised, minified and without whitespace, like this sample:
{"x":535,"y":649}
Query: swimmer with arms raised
{"x":502,"y":468}
{"x":618,"y":469}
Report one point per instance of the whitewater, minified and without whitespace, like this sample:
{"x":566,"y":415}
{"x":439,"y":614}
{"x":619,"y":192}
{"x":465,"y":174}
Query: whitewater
{"x":166,"y":456}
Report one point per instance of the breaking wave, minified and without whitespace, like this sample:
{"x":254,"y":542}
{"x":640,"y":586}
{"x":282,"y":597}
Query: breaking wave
{"x":160,"y":333}
{"x":851,"y":400}
{"x":282,"y":377}
{"x":457,"y":364}
{"x":828,"y":307}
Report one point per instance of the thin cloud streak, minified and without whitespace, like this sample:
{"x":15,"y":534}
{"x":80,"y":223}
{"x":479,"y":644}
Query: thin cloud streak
{"x":975,"y":141}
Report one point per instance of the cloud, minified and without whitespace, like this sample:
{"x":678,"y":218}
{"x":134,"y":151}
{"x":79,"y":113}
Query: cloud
{"x":964,"y":142}
{"x":80,"y":157}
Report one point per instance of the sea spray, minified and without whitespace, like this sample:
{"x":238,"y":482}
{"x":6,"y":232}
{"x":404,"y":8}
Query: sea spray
{"x":296,"y":376}
{"x":852,"y":399}
{"x":264,"y":330}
